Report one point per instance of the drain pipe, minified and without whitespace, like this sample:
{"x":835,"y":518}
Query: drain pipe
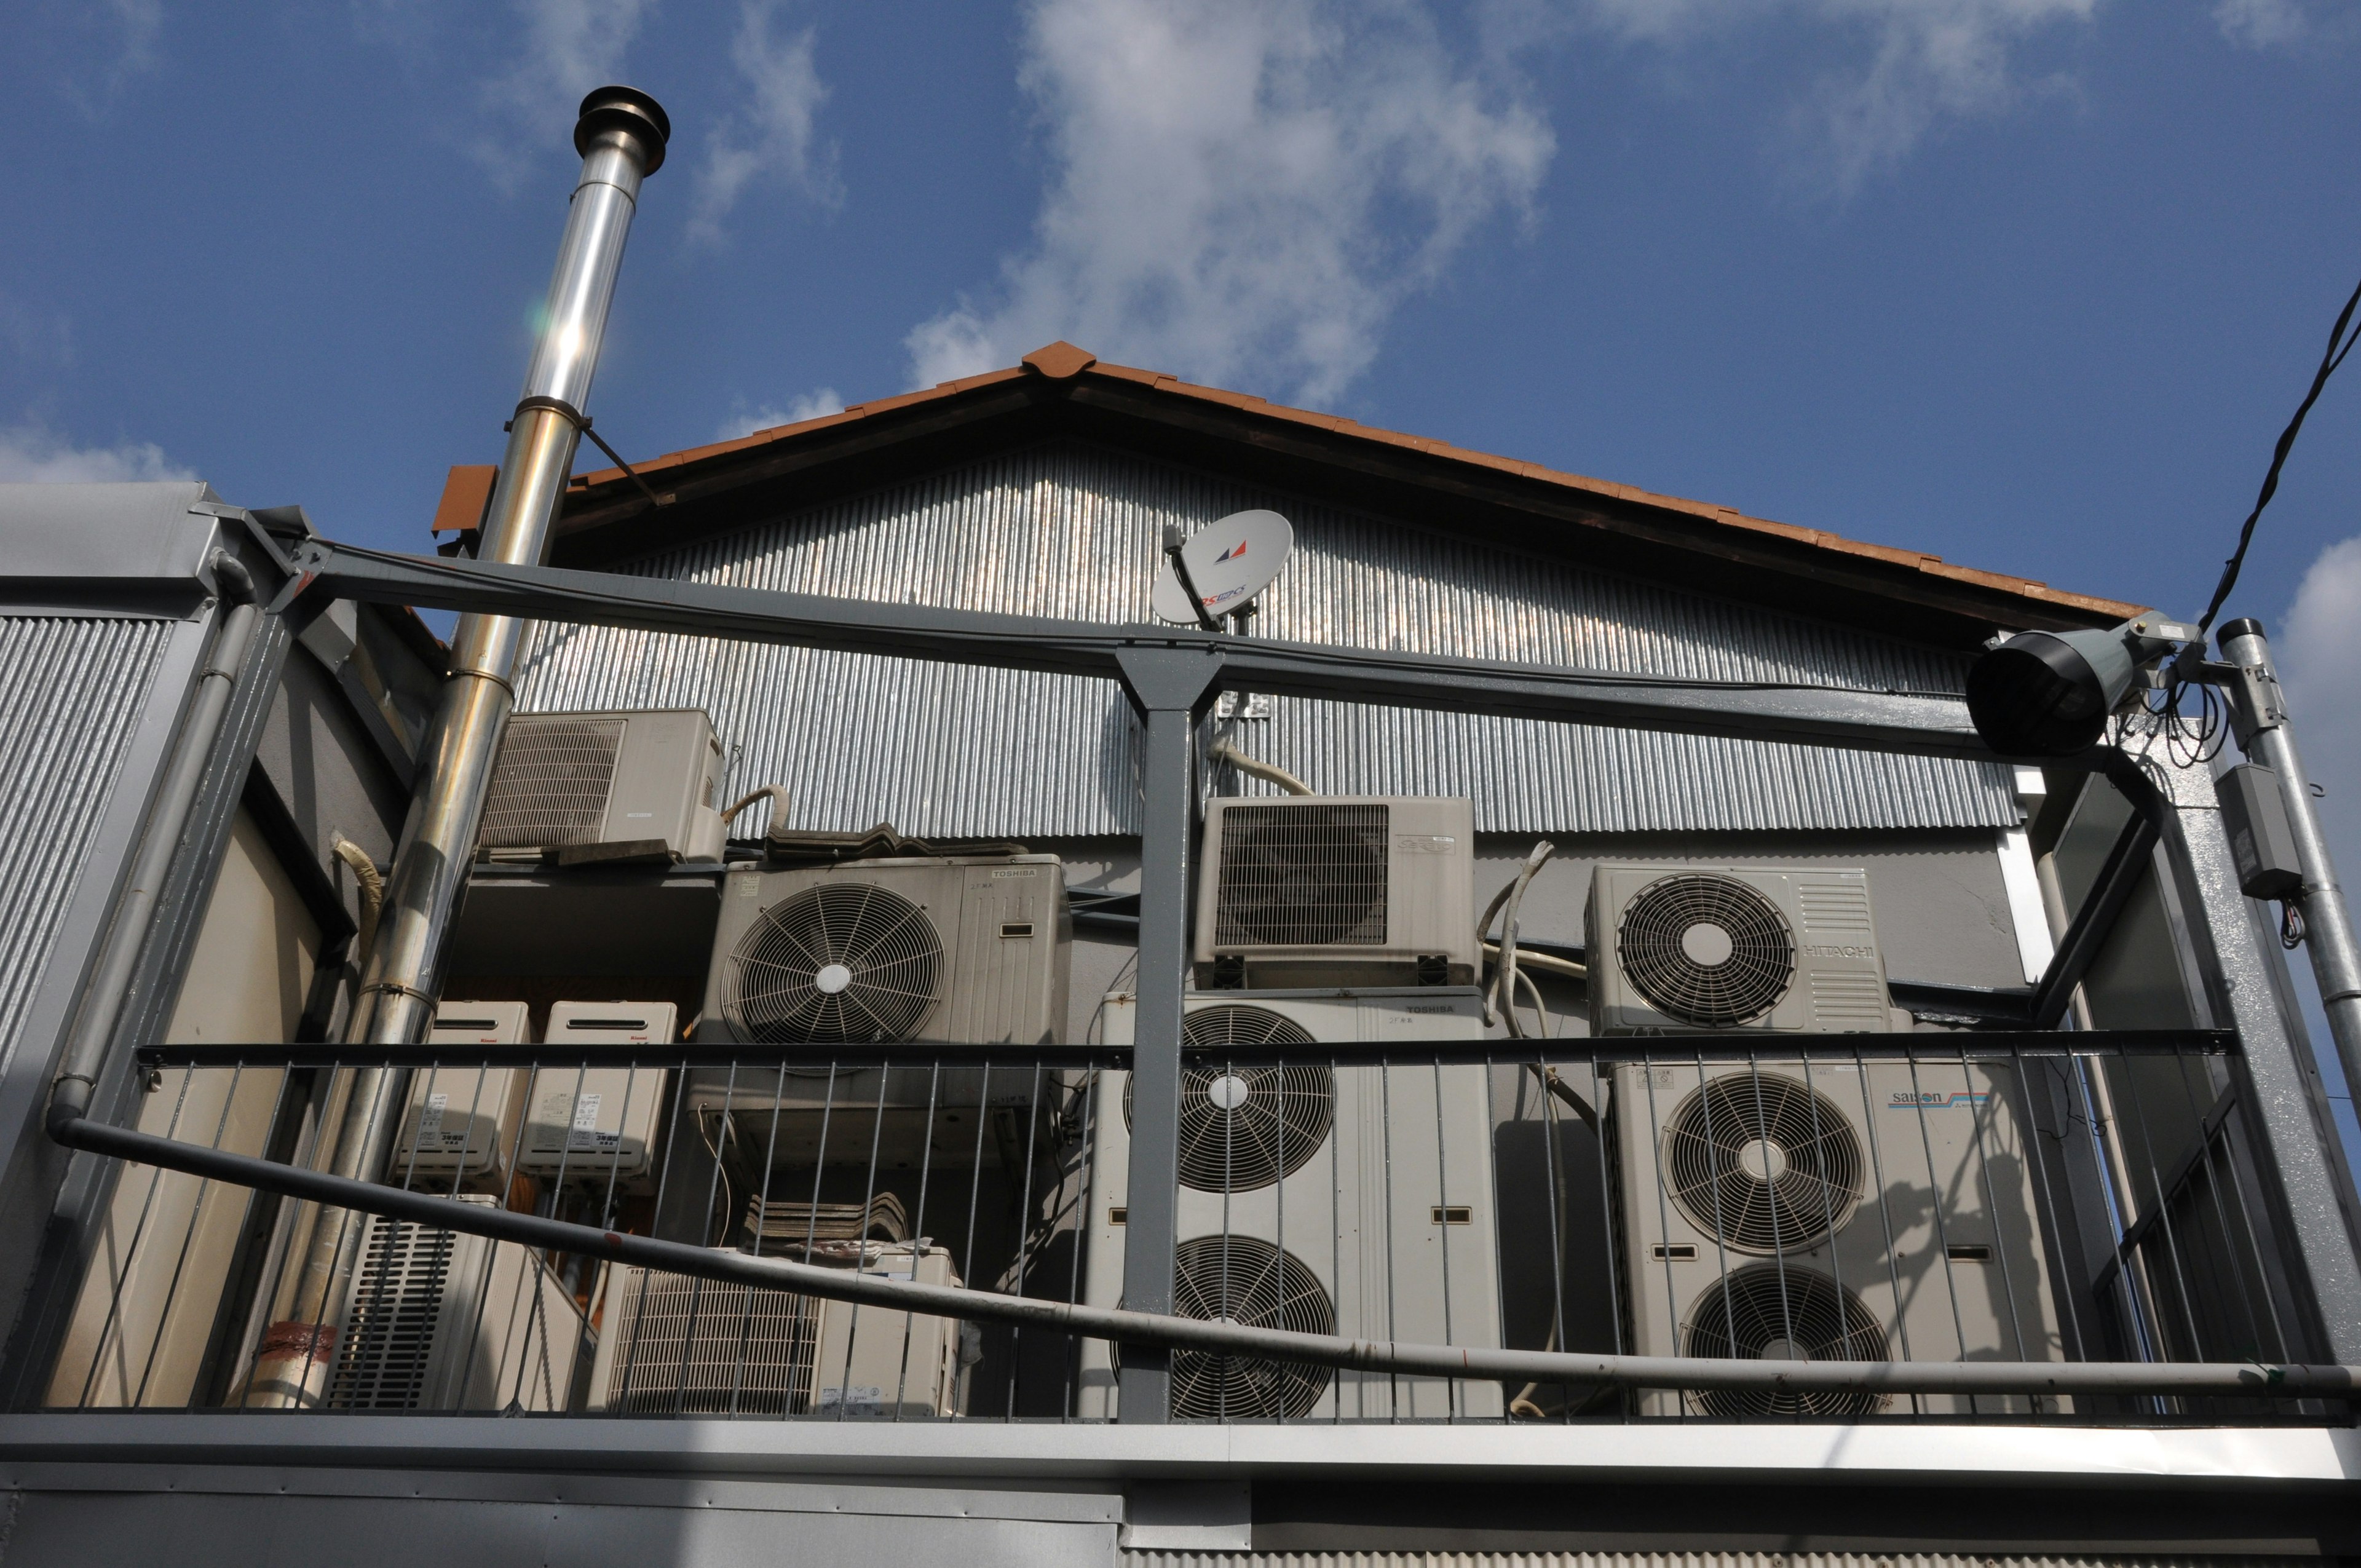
{"x":168,"y":820}
{"x":622,"y":135}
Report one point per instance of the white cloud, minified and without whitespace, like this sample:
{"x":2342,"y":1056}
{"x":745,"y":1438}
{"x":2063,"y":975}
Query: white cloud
{"x":2319,"y":655}
{"x":772,"y":137}
{"x":1241,"y":191}
{"x":744,"y":421}
{"x":2289,"y":24}
{"x":33,"y":453}
{"x":569,"y":47}
{"x":1898,"y":68}
{"x":126,"y":34}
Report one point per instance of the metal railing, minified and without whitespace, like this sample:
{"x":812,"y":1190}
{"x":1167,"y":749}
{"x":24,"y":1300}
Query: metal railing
{"x":2071,"y":1213}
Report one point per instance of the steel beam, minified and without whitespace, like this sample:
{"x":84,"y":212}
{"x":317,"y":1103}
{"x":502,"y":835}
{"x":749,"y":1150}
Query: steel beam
{"x":1926,"y":724}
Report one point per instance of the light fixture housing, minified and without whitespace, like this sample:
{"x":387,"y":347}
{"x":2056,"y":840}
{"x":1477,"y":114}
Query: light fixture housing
{"x":2048,"y":694}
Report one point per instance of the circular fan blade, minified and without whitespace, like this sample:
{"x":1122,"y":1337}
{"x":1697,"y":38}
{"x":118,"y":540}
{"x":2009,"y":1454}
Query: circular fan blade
{"x":1243,"y":1128}
{"x":1245,"y":1280}
{"x":1762,"y":1161}
{"x":884,"y":956}
{"x":1709,"y":950}
{"x":1781,"y":1314}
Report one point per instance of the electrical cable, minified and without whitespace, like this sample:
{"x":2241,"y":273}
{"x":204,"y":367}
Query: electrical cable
{"x":2340,"y":343}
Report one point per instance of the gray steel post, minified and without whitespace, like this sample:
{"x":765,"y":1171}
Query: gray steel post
{"x":621,"y":137}
{"x":2282,"y":1100}
{"x":2261,"y":708}
{"x":1170,"y":690}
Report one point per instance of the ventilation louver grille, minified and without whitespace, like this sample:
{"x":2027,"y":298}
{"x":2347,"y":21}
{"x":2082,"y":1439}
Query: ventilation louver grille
{"x":1303,"y":876}
{"x":1243,"y":1128}
{"x":844,"y":961}
{"x":1763,"y":1162}
{"x":1709,"y":950}
{"x":389,"y":1338}
{"x":1765,"y":1312}
{"x":551,"y":785}
{"x":698,"y":1347}
{"x":1241,"y":1279}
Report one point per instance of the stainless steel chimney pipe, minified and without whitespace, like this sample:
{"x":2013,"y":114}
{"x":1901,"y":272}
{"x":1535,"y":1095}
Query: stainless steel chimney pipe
{"x":622,"y":135}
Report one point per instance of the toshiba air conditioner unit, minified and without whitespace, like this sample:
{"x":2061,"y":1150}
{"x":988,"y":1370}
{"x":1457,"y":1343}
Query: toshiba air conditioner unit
{"x":1337,"y":890}
{"x":438,"y":1321}
{"x":1840,"y":1212}
{"x":624,"y":783}
{"x":1675,"y":950}
{"x":960,"y":949}
{"x":1328,"y":1198}
{"x":672,"y":1343}
{"x":459,"y":1129}
{"x":591,"y":1123}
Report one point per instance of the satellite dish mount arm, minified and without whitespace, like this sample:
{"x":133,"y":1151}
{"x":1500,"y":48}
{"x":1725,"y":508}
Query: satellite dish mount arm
{"x":1188,"y":585}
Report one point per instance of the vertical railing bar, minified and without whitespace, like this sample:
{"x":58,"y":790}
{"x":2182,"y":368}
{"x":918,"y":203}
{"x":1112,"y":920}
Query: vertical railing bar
{"x":2164,"y":1218}
{"x":918,"y":1227}
{"x":1778,"y":1246}
{"x":1720,"y":1225}
{"x":2206,"y":1154}
{"x":347,"y":1218}
{"x":1663,"y":1219}
{"x":2281,"y":1341}
{"x":1602,"y":1095}
{"x":811,"y":1232}
{"x":1812,"y":1098}
{"x":1084,"y":1209}
{"x":975,"y":1166}
{"x":2068,"y":1299}
{"x":112,"y":1327}
{"x":761,"y":1217}
{"x":253,"y":1197}
{"x":1885,"y":1219}
{"x":1992,"y":1207}
{"x":1336,"y":1239}
{"x":714,"y":1184}
{"x":305,"y":1153}
{"x":1385,"y":1117}
{"x":1943,"y":1231}
{"x":1453,"y":1400}
{"x":860,"y":1244}
{"x":188,"y":1238}
{"x":621,"y":1400}
{"x":1024,"y":1237}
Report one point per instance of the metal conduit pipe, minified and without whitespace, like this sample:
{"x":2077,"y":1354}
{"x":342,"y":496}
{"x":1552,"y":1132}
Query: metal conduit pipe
{"x":622,"y":135}
{"x":167,"y":821}
{"x":2247,"y":1379}
{"x":2328,"y":935}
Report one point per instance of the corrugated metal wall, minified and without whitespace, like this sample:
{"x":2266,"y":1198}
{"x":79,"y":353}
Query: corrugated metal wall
{"x":74,"y":692}
{"x":1071,"y":530}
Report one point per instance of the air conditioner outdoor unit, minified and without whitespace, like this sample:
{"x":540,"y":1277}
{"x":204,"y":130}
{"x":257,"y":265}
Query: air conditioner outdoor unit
{"x":1866,"y":1212}
{"x":591,"y":1123}
{"x":1681,"y":949}
{"x":437,"y":1321}
{"x":1335,"y":891}
{"x":579,"y":781}
{"x":967,"y":951}
{"x":670,"y":1343}
{"x":459,"y":1129}
{"x":1353,"y":1201}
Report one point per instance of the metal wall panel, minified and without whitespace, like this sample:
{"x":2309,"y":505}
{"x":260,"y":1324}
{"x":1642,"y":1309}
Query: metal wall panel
{"x":1072,"y":531}
{"x":74,"y":692}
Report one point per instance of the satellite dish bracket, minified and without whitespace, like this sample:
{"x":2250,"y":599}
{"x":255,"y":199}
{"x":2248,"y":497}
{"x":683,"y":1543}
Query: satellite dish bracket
{"x":1188,"y":584}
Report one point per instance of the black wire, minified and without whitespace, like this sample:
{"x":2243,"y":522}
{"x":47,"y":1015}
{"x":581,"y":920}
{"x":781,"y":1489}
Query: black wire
{"x":2339,"y":345}
{"x":2292,"y":930}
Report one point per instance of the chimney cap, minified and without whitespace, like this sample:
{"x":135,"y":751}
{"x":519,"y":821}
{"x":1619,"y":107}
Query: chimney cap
{"x":624,"y":108}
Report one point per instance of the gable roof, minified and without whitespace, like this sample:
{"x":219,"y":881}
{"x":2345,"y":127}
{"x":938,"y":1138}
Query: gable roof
{"x":1064,"y":391}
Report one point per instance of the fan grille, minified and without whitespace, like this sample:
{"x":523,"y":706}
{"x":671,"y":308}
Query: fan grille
{"x":1765,"y":1312}
{"x":397,"y":1305}
{"x":1246,"y":1127}
{"x":698,"y":1347}
{"x":1244,"y":1279}
{"x":778,"y":990}
{"x":550,"y":787}
{"x":1302,"y":876}
{"x":1667,"y":919}
{"x":1762,"y":1161}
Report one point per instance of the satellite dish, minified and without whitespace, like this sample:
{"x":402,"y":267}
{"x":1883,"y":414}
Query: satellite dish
{"x":1228,"y":563}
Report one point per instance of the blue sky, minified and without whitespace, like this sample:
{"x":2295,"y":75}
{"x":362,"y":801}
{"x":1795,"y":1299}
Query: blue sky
{"x":2029,"y":284}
